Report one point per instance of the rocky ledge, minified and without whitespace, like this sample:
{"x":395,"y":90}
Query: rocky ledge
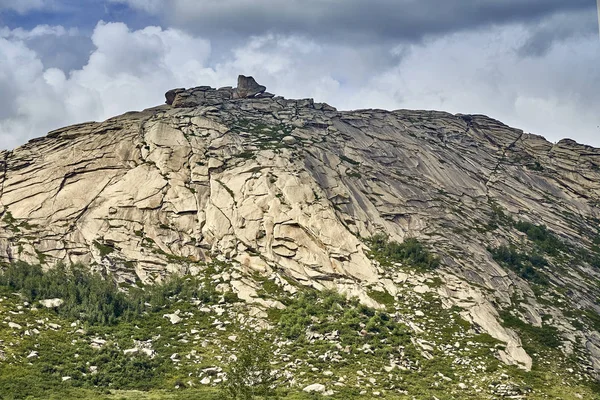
{"x":247,"y":88}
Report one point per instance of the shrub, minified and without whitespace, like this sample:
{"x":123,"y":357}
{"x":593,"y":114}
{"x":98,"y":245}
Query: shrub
{"x":410,"y":251}
{"x":249,"y":374}
{"x":524,"y":265}
{"x":545,"y":336}
{"x":545,"y":240}
{"x":87,"y":296}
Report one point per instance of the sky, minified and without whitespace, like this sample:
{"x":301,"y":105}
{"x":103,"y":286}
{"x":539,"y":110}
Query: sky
{"x":532,"y":64}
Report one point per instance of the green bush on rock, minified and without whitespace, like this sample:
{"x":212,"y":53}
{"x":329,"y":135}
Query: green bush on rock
{"x":410,"y":251}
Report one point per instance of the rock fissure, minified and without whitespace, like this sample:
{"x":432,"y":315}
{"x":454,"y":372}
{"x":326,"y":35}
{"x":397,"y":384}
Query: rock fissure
{"x":502,"y":159}
{"x":4,"y":169}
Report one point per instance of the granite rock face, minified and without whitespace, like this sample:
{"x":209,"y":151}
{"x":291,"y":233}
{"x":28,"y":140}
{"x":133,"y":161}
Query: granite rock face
{"x":293,"y":186}
{"x":248,"y":87}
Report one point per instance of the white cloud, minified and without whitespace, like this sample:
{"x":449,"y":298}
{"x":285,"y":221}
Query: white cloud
{"x":553,"y":93}
{"x":127,"y":70}
{"x":38,"y":31}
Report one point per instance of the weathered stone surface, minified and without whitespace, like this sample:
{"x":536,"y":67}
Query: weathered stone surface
{"x":171,"y":94}
{"x":248,"y":87}
{"x":300,"y":183}
{"x":52,"y":303}
{"x":314,"y":388}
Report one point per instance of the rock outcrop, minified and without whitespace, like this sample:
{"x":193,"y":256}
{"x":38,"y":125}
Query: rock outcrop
{"x":293,"y":186}
{"x":247,"y":87}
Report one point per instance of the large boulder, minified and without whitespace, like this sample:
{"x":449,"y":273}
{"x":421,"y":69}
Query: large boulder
{"x":248,"y":87}
{"x":172,"y":94}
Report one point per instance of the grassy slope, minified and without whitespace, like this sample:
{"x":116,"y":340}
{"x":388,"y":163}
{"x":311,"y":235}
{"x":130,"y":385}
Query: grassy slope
{"x":367,"y":341}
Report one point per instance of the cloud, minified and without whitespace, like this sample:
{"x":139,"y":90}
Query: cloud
{"x":553,"y":93}
{"x":56,"y":46}
{"x":149,"y":6}
{"x":557,"y":28}
{"x":23,"y":6}
{"x":351,"y":20}
{"x":126,"y":71}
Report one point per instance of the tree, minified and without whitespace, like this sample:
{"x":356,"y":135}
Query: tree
{"x":249,"y":373}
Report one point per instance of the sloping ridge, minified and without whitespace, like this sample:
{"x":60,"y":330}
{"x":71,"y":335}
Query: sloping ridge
{"x":294,"y":187}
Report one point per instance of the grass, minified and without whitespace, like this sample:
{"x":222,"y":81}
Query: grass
{"x":535,"y":338}
{"x":316,"y":332}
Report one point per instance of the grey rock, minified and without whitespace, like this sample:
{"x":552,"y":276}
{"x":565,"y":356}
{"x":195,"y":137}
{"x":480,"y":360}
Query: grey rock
{"x":171,"y":94}
{"x":52,"y":303}
{"x":314,"y":388}
{"x":248,"y":87}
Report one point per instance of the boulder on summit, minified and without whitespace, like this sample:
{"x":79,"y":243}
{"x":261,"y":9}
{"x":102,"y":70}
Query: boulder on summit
{"x":248,"y":87}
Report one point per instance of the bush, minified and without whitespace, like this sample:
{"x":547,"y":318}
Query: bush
{"x":545,"y":240}
{"x":410,"y":251}
{"x":249,"y":374}
{"x":524,"y":265}
{"x":328,"y":311}
{"x":539,"y":337}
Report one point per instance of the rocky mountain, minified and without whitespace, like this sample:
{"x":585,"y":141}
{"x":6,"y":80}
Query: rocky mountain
{"x":294,"y":192}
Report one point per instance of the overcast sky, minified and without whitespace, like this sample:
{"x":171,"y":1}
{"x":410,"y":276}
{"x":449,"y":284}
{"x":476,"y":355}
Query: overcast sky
{"x":533,"y":64}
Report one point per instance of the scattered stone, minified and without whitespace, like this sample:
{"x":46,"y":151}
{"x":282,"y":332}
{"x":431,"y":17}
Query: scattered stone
{"x":205,"y":381}
{"x":174,"y":318}
{"x":52,"y":303}
{"x":13,"y":325}
{"x":314,"y":388}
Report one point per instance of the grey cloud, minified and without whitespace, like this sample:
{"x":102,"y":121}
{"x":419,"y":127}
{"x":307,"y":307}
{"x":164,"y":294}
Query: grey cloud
{"x":67,"y":53}
{"x":56,"y":46}
{"x":557,"y":28}
{"x":23,"y":6}
{"x":353,"y":20}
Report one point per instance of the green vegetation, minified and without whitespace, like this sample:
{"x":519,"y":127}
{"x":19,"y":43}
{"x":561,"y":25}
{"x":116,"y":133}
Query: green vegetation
{"x":86,"y":296}
{"x":544,"y":240}
{"x":383,"y":298}
{"x":104,"y":249}
{"x":328,"y":311}
{"x":410,"y":251}
{"x":348,"y":160}
{"x":249,"y":373}
{"x":93,"y":299}
{"x":525,"y":265}
{"x":320,"y":337}
{"x":8,"y":218}
{"x":535,"y":166}
{"x":535,"y":338}
{"x":353,"y":174}
{"x":263,"y":136}
{"x":13,"y":224}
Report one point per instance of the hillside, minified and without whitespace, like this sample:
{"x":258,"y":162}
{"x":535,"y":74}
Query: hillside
{"x":467,"y":252}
